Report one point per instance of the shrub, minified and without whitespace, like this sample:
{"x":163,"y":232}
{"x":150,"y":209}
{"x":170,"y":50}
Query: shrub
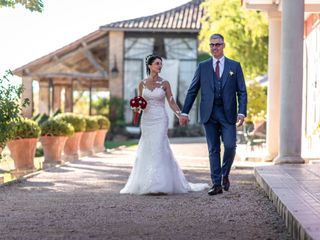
{"x":10,"y":108}
{"x":41,"y":118}
{"x":91,"y":124}
{"x":78,"y":122}
{"x":54,"y":127}
{"x":257,"y":102}
{"x":25,"y":128}
{"x":104,"y":122}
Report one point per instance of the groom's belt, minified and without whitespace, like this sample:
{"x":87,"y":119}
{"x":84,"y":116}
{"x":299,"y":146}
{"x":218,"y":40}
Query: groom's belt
{"x":218,"y":102}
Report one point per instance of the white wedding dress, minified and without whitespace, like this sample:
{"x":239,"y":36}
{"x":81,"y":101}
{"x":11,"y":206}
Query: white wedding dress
{"x":155,"y":169}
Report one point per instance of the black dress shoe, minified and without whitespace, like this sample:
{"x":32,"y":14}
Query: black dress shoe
{"x":215,"y":190}
{"x":225,"y":183}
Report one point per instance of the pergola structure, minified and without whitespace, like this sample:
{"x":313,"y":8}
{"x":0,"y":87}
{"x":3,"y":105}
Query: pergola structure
{"x":112,"y":58}
{"x":83,"y":63}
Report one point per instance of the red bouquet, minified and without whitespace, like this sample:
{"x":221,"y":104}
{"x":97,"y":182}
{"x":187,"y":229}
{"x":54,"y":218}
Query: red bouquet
{"x":137,"y":104}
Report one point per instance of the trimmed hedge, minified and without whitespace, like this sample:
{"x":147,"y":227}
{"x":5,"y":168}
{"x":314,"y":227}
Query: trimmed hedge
{"x":25,"y":128}
{"x":54,"y":127}
{"x":104,"y":122}
{"x":91,"y":123}
{"x":77,"y":121}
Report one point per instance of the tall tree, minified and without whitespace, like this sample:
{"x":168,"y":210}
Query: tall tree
{"x":245,"y":32}
{"x":32,"y":5}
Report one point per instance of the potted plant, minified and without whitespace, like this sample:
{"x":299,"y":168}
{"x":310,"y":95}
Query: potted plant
{"x":99,"y":140}
{"x":72,"y":145}
{"x":23,"y":145}
{"x":54,"y":134}
{"x":10,"y":107}
{"x":88,"y":136}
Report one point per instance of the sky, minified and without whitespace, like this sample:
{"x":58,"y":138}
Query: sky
{"x":26,"y":36}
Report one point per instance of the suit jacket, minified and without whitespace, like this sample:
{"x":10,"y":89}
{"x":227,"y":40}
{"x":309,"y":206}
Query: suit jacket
{"x":234,"y":93}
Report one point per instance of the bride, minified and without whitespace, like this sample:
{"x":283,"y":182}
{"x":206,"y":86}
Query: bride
{"x":155,"y":170}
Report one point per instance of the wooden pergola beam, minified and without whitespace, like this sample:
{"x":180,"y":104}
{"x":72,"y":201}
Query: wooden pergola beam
{"x":61,"y":58}
{"x":91,"y":58}
{"x":93,"y":76}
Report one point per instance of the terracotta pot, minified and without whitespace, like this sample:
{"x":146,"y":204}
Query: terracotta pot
{"x":99,"y":140}
{"x":86,"y":143}
{"x":72,"y":146}
{"x":22,"y":152}
{"x":53,"y":147}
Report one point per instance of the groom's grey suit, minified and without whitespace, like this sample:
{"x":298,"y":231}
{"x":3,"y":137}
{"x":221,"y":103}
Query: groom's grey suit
{"x":219,"y":114}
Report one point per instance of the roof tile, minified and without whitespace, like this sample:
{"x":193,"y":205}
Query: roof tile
{"x":183,"y":18}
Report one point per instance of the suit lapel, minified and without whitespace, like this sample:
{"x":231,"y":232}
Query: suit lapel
{"x":226,"y":70}
{"x":210,"y":73}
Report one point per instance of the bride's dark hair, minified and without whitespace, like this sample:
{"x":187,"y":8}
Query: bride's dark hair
{"x":150,"y":59}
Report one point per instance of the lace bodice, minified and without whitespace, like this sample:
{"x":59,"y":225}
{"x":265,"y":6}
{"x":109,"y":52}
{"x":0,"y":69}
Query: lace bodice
{"x":155,"y":96}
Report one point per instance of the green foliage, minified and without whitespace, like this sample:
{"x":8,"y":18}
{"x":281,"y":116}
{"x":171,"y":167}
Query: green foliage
{"x":39,"y":151}
{"x":101,"y":106}
{"x":116,"y":110}
{"x":10,"y":107}
{"x":58,"y":111}
{"x":40,"y":118}
{"x":91,"y":124}
{"x":116,"y":116}
{"x":113,"y":107}
{"x":77,"y":121}
{"x":32,"y":5}
{"x":26,"y":128}
{"x":203,"y":56}
{"x":104,"y":122}
{"x":120,"y":143}
{"x":245,"y":33}
{"x":257,"y":101}
{"x":54,"y":127}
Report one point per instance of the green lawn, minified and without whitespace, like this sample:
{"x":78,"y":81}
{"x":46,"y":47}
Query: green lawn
{"x":126,"y":143}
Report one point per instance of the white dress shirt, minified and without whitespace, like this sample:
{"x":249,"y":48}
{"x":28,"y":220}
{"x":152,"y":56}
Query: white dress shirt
{"x":221,"y":64}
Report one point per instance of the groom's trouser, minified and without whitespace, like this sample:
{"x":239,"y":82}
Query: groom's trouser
{"x":217,"y":129}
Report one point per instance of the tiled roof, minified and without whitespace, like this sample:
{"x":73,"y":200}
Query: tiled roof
{"x":185,"y":18}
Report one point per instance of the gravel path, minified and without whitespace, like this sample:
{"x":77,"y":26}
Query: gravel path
{"x":81,"y":200}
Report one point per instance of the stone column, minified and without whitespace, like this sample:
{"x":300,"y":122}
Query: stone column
{"x":291,"y":82}
{"x":44,"y":97}
{"x":27,"y":93}
{"x":273,"y":106}
{"x":56,"y":98}
{"x":116,"y":42}
{"x":68,"y":104}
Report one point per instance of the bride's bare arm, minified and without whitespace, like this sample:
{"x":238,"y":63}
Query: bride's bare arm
{"x":172,"y":103}
{"x":140,"y":88}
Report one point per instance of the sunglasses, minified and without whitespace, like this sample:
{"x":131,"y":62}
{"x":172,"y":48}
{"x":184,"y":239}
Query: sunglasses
{"x":215,"y":44}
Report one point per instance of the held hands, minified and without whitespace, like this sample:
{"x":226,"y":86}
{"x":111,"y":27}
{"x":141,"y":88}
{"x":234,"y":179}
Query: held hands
{"x":183,"y":120}
{"x":240,"y":120}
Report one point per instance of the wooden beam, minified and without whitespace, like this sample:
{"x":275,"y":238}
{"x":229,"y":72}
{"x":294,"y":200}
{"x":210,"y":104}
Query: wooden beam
{"x":62,"y":57}
{"x":59,"y":61}
{"x":91,"y":58}
{"x":93,"y":76}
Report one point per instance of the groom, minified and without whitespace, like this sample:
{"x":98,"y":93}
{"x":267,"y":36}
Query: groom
{"x":223,"y":105}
